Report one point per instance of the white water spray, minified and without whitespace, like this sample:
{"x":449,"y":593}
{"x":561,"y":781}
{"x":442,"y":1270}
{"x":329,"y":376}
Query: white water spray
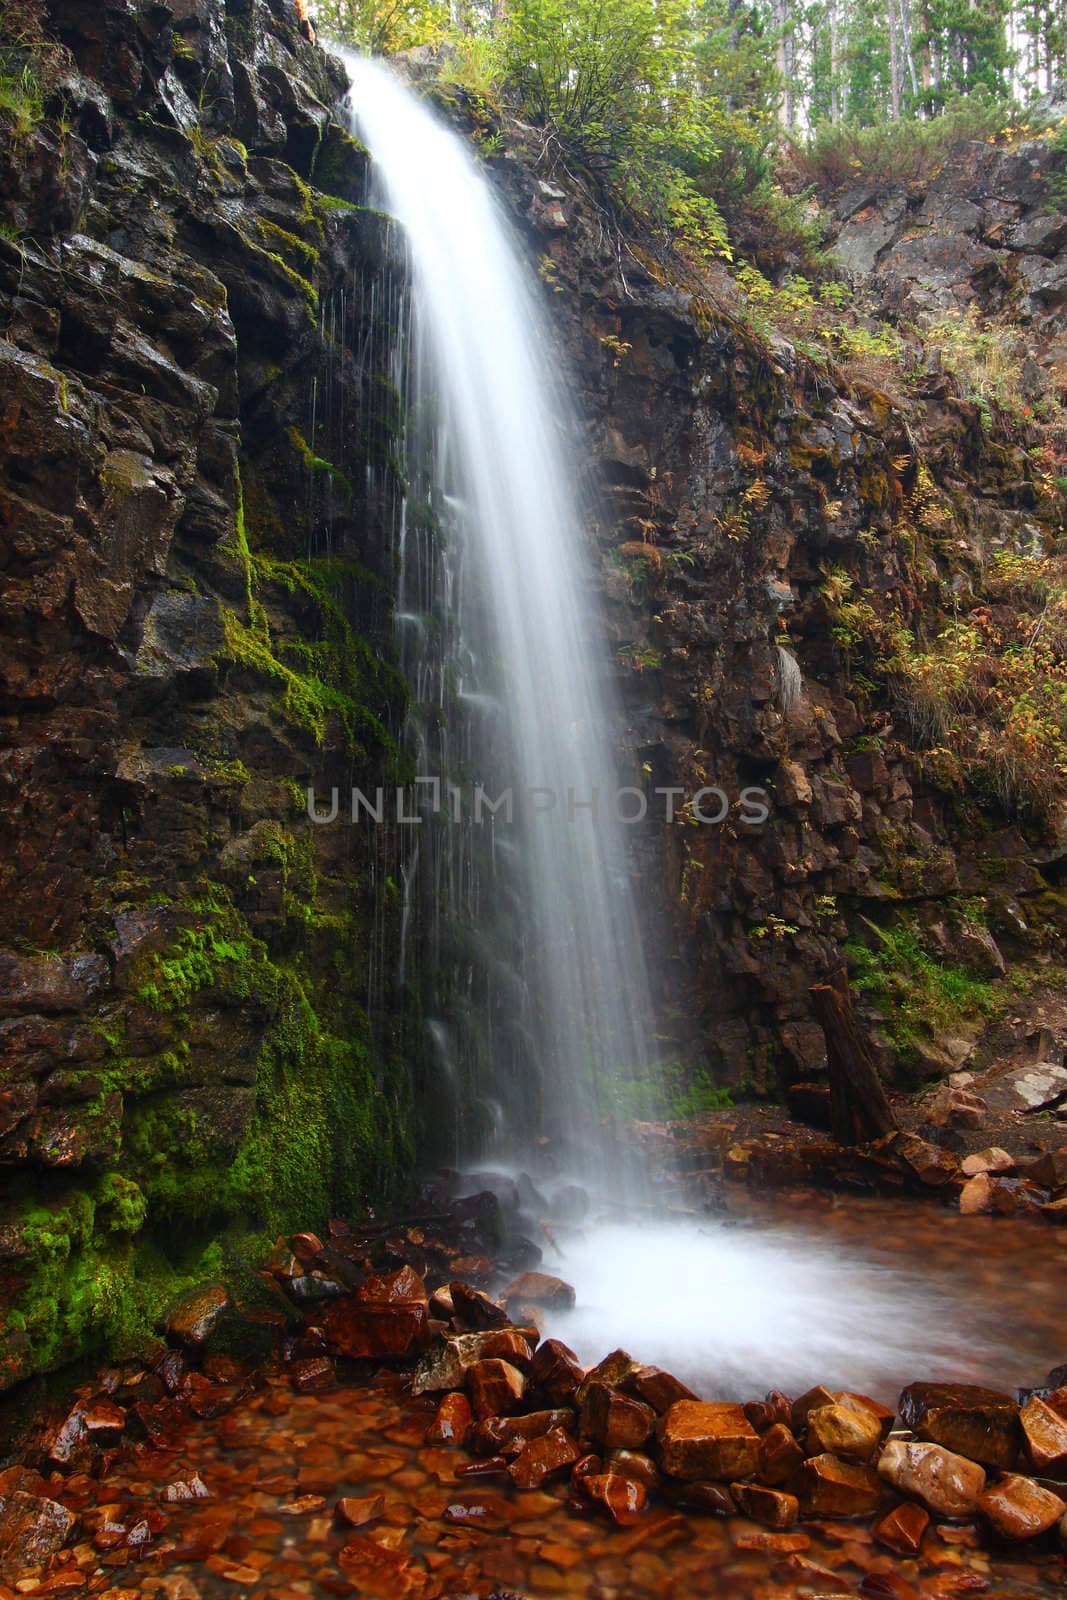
{"x":562,"y":990}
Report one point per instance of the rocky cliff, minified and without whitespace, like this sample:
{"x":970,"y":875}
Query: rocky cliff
{"x":200,"y":1029}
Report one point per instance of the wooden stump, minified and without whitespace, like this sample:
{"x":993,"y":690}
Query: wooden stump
{"x":859,"y":1110}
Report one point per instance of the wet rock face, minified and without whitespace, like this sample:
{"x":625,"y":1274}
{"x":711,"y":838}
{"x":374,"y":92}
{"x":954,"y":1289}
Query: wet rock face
{"x":735,"y":481}
{"x":194,"y":626}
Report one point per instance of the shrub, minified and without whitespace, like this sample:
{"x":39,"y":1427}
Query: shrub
{"x":894,"y":153}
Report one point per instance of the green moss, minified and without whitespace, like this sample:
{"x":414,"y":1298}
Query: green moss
{"x":340,"y":164}
{"x":318,"y":466}
{"x":920,"y":999}
{"x":287,"y":245}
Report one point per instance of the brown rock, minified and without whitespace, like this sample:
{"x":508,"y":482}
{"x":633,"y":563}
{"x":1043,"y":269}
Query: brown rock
{"x":901,"y":1530}
{"x":798,"y":1416}
{"x":782,"y":1544}
{"x":553,"y":1453}
{"x":612,"y":1420}
{"x":708,"y":1439}
{"x":445,"y":1364}
{"x":32,"y":1529}
{"x":1017,"y":1197}
{"x":947,"y":1484}
{"x":556,"y":1370}
{"x":761,"y":1414}
{"x":978,"y":1423}
{"x":193,"y":1315}
{"x":473,"y":1311}
{"x":496,"y":1387}
{"x":929,"y":1164}
{"x":851,"y":1432}
{"x":103,"y":1421}
{"x":991,"y":1160}
{"x":540,"y":1289}
{"x":633,"y":1464}
{"x":507,"y":1435}
{"x":976,"y":1196}
{"x":1046,"y":1436}
{"x":827,"y":1487}
{"x":769,"y":1506}
{"x":1049,"y":1171}
{"x":314,"y":1375}
{"x":779,"y":1456}
{"x":377,"y":1331}
{"x":356,"y":1512}
{"x":616,"y":1370}
{"x":453,"y":1421}
{"x":660,"y":1389}
{"x":711,"y":1499}
{"x":1019,"y":1508}
{"x":622,"y":1498}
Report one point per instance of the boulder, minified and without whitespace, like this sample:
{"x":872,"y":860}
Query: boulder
{"x":496,"y":1387}
{"x":506,"y":1436}
{"x":555,"y":1452}
{"x":660,"y":1389}
{"x":556,"y":1371}
{"x":849,"y":1431}
{"x":614,"y":1421}
{"x":901,"y":1530}
{"x":1019,"y":1508}
{"x":539,"y":1289}
{"x":473,"y":1311}
{"x":445,"y":1366}
{"x":633,"y":1464}
{"x":1045,"y":1431}
{"x":621,"y":1498}
{"x":779,"y":1456}
{"x":708,"y":1439}
{"x":32,"y":1529}
{"x":828,"y":1487}
{"x":947,"y":1484}
{"x":976,"y":1196}
{"x":194,"y":1314}
{"x":770,"y":1506}
{"x":978,"y":1423}
{"x":992,"y":1160}
{"x":389,"y":1330}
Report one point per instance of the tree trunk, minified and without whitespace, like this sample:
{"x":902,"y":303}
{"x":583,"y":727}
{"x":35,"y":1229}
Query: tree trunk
{"x":859,"y":1110}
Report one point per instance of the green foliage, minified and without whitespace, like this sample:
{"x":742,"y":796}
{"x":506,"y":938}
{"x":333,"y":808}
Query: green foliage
{"x":382,"y":26}
{"x":902,"y":152}
{"x":919,"y":998}
{"x":670,"y":1091}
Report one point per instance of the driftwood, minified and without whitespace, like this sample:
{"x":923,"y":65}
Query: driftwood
{"x":859,"y":1110}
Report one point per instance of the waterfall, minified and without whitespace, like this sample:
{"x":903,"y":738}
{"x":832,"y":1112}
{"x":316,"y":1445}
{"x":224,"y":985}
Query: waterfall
{"x":535,"y":987}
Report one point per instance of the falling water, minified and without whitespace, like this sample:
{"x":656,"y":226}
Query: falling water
{"x":539,"y":998}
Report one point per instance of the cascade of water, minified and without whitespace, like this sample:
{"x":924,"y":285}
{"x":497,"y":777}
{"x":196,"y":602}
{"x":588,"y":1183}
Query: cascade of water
{"x":527,"y":928}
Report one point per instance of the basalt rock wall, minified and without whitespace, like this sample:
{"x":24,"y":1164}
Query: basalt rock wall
{"x":198,"y":1031}
{"x":767,"y":521}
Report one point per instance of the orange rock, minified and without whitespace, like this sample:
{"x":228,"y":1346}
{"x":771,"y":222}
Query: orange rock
{"x":849,"y":1431}
{"x":770,"y":1506}
{"x":660,"y":1389}
{"x":1019,"y":1508}
{"x":392,"y":1287}
{"x":613,"y":1420}
{"x":976,"y":1196}
{"x":632,"y":1464}
{"x":947,"y":1484}
{"x":473,"y":1311}
{"x":901,"y":1530}
{"x":708,"y":1439}
{"x":453,"y":1421}
{"x":810,"y":1401}
{"x":379,"y":1330}
{"x":554,"y":1452}
{"x":354,"y":1512}
{"x":507,"y":1435}
{"x":1046,"y":1436}
{"x":978,"y":1423}
{"x":556,"y":1370}
{"x":713,"y":1499}
{"x":621,"y":1498}
{"x":779,"y":1456}
{"x":496,"y":1387}
{"x":829,"y":1487}
{"x":782,"y":1544}
{"x":540,"y":1289}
